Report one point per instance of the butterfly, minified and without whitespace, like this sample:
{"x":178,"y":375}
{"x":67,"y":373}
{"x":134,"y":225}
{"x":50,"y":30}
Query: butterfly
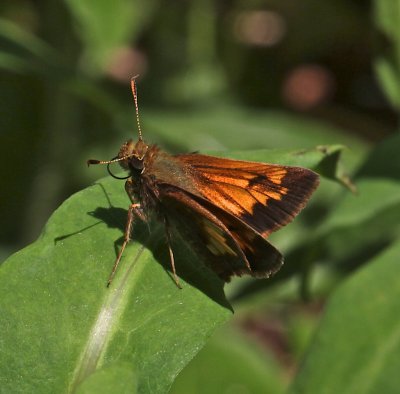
{"x":224,"y":208}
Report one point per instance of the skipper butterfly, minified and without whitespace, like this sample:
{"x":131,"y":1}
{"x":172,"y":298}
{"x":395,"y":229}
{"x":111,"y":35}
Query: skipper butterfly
{"x":229,"y":207}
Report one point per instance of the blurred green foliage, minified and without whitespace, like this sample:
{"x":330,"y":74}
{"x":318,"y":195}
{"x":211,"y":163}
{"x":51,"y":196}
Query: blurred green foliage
{"x":223,"y":76}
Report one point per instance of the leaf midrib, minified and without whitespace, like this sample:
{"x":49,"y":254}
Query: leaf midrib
{"x":107,"y":318}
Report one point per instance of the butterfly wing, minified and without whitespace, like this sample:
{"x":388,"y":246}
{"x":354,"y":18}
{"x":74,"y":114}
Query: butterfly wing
{"x":226,"y":206}
{"x":264,"y":196}
{"x":229,"y":246}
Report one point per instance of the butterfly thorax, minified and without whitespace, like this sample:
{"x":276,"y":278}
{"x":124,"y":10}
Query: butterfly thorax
{"x":136,"y":158}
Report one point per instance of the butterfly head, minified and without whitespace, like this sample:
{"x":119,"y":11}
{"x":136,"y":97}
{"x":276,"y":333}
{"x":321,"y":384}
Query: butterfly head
{"x":131,"y":155}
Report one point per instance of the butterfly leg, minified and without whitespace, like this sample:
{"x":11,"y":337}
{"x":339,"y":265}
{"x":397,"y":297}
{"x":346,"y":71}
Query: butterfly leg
{"x":171,"y":253}
{"x":134,"y":209}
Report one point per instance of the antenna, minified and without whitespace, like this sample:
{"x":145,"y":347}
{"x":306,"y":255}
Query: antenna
{"x":115,"y":160}
{"x":134,"y":92}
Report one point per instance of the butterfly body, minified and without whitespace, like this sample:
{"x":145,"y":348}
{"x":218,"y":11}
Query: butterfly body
{"x":225,"y":209}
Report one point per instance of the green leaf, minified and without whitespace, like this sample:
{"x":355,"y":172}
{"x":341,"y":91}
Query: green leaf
{"x":383,"y":161}
{"x":387,"y":63}
{"x":63,"y":330}
{"x":60,"y":323}
{"x":356,"y":347}
{"x":25,"y":53}
{"x":104,"y":26}
{"x":232,"y":364}
{"x":232,"y":128}
{"x":379,"y":196}
{"x":119,"y":378}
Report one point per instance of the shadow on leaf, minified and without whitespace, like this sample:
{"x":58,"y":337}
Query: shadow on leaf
{"x":189,"y":265}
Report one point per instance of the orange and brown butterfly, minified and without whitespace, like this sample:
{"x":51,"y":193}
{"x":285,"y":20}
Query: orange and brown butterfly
{"x":227,"y":207}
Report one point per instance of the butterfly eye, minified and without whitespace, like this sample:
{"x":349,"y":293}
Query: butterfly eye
{"x":136,"y":163}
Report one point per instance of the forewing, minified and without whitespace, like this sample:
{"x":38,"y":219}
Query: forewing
{"x":264,"y":196}
{"x":229,"y":246}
